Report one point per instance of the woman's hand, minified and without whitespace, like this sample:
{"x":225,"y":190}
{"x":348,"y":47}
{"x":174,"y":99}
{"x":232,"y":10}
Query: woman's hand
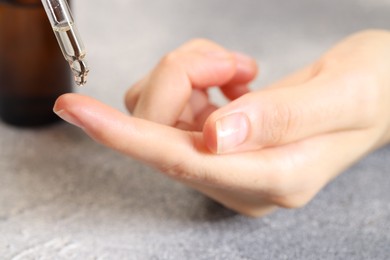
{"x":274,"y":147}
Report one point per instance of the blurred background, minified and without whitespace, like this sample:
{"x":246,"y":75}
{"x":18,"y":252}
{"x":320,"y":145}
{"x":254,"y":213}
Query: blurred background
{"x":62,"y":196}
{"x":125,"y":38}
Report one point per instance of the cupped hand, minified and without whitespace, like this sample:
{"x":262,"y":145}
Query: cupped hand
{"x":275,"y":147}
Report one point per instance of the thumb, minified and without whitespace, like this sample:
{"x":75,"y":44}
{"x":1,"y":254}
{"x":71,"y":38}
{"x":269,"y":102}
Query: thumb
{"x":276,"y":116}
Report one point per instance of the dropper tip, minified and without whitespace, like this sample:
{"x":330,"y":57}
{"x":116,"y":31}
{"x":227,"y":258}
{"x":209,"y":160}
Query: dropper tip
{"x":80,"y":72}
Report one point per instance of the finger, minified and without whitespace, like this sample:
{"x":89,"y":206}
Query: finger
{"x":171,"y":82}
{"x":246,"y":66}
{"x":169,"y":88}
{"x":133,"y":93}
{"x":192,"y":114}
{"x":179,"y":154}
{"x":201,"y":108}
{"x":197,"y":45}
{"x":246,"y":71}
{"x":282,"y":115}
{"x":152,"y":143}
{"x":236,"y":91}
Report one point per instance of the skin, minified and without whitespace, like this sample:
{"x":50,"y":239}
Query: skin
{"x":275,"y":147}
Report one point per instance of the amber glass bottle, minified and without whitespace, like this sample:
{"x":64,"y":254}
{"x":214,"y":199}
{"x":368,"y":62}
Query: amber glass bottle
{"x":33,"y":72}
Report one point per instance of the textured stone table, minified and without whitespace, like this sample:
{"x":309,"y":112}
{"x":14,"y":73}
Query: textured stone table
{"x":62,"y":196}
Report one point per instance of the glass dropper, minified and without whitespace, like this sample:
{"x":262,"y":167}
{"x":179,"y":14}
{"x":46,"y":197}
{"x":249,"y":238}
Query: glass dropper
{"x":62,"y":22}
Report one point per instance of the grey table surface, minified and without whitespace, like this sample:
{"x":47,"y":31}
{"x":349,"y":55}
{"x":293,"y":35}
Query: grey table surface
{"x":62,"y":196}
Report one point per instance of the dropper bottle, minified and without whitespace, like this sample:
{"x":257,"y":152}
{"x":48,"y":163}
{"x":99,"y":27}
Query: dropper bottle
{"x":33,"y":73}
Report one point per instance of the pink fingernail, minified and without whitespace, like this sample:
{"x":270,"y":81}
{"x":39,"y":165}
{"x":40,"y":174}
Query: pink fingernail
{"x":69,"y":118}
{"x":232,"y":130}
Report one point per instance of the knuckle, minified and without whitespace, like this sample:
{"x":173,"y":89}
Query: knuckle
{"x":179,"y":167}
{"x":171,"y":59}
{"x":188,"y":171}
{"x":176,"y":170}
{"x":182,"y":171}
{"x":278,"y":122}
{"x":176,"y":167}
{"x":199,"y":44}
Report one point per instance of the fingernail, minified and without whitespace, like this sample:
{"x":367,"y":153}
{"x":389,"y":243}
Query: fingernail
{"x":232,"y":130}
{"x":69,"y":118}
{"x":245,"y":62}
